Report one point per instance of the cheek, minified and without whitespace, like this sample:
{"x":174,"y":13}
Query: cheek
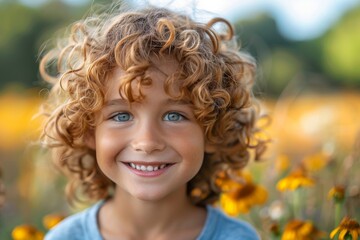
{"x":192,"y":145}
{"x":107,"y":146}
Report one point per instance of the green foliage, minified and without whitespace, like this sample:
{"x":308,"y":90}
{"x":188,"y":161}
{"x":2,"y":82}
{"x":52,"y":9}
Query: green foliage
{"x":23,"y":31}
{"x":282,"y":66}
{"x":333,"y":57}
{"x":341,"y":50}
{"x":10,"y":27}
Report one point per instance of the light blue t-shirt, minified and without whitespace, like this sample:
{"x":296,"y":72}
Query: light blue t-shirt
{"x":218,"y":226}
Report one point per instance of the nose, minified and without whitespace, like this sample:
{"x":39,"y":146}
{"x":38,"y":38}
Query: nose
{"x":148,"y":139}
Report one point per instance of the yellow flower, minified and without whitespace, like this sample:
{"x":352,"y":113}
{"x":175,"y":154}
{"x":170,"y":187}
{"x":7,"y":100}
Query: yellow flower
{"x":242,"y":198}
{"x":301,"y":230}
{"x":347,"y":227}
{"x":226,"y":183}
{"x":26,"y":232}
{"x":316,"y":162}
{"x":294,"y":180}
{"x":337,"y":193}
{"x":16,"y":113}
{"x":51,"y":220}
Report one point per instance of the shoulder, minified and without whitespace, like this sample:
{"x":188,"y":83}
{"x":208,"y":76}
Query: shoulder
{"x":220,"y":226}
{"x":80,"y":226}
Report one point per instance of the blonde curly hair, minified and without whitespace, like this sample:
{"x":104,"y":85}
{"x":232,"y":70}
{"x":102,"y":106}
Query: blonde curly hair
{"x":212,"y":73}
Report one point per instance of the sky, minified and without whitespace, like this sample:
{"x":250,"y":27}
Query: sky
{"x":296,"y":19}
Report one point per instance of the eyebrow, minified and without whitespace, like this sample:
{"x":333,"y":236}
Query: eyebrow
{"x":116,"y":102}
{"x":177,"y":102}
{"x":169,"y":101}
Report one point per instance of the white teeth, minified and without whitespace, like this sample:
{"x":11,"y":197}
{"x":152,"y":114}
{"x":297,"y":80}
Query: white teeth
{"x":147,"y":168}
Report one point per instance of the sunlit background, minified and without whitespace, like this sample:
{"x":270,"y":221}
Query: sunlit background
{"x":308,"y":53}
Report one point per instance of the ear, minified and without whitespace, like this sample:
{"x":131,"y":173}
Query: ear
{"x":90,"y":140}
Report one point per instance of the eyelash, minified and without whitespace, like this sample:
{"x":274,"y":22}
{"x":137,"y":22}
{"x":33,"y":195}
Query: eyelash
{"x":122,"y":113}
{"x":180,"y":116}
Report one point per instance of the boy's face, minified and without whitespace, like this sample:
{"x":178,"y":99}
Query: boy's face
{"x":152,"y":148}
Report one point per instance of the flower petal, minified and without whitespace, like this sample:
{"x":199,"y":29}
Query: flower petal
{"x":354,"y":234}
{"x":333,"y":232}
{"x":342,"y":234}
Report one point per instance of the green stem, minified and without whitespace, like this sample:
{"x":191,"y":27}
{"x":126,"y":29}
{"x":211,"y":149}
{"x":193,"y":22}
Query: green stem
{"x":297,"y":203}
{"x":338,"y":207}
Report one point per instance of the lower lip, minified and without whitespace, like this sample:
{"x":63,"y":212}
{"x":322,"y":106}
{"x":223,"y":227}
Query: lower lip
{"x":148,"y":173}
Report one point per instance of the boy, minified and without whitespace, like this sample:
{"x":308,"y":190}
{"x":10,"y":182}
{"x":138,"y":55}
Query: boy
{"x":147,"y":107}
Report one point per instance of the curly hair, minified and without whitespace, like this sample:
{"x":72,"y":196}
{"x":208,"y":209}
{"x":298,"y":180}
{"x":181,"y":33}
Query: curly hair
{"x":212,"y":73}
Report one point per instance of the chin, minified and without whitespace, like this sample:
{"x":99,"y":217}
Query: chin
{"x":149,"y":196}
{"x":153,"y":194}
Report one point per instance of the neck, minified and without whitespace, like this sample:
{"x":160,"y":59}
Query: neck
{"x":125,"y":215}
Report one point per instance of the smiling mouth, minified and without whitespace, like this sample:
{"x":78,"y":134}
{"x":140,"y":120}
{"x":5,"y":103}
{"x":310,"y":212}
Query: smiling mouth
{"x":148,"y":168}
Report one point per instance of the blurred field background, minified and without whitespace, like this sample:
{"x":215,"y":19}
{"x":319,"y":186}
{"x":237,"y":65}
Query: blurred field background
{"x":309,"y":86}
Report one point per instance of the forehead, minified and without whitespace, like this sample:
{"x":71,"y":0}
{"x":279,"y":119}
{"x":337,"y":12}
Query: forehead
{"x":160,"y":69}
{"x":166,"y":65}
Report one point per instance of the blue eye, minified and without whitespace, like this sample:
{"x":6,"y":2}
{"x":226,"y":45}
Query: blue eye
{"x":122,"y":117}
{"x":173,"y":116}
